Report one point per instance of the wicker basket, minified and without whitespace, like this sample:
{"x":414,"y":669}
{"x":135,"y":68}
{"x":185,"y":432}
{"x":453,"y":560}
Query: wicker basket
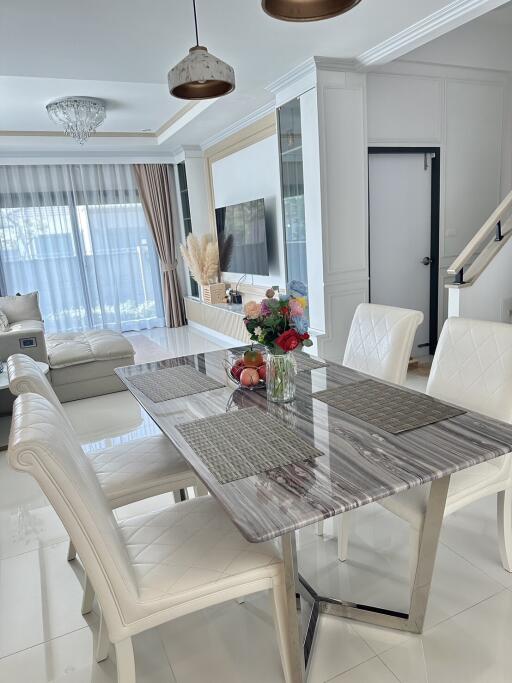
{"x":214,"y":294}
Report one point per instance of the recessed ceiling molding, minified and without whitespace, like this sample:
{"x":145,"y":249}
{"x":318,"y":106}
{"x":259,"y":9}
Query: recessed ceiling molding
{"x":42,"y":158}
{"x":184,"y":110}
{"x":183,"y":118}
{"x":187,"y":152}
{"x":61,"y":134}
{"x":438,"y":23}
{"x":242,"y":123}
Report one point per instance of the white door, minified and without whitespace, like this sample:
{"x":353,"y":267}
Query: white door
{"x":400,"y":207}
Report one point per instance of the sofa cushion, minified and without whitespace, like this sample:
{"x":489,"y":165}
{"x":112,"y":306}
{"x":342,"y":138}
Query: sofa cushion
{"x":75,"y":348}
{"x":27,"y":326}
{"x":21,"y":307}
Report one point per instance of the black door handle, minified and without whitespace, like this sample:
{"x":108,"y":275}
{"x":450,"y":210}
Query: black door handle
{"x":427,"y":261}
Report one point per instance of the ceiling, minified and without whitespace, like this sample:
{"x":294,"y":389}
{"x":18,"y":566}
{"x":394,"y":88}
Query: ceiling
{"x":121,"y":50}
{"x":483,"y":43}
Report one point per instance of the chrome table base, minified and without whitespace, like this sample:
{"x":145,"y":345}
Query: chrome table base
{"x":301,"y":595}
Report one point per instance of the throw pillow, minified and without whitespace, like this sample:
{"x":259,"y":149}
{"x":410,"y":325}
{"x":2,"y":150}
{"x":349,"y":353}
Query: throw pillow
{"x":4,"y":322}
{"x":21,"y":307}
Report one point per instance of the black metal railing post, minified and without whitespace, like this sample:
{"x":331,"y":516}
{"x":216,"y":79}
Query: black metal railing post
{"x":499,"y":235}
{"x":459,"y":278}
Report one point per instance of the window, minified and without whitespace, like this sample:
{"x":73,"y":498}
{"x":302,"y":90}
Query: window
{"x":187,"y":220}
{"x":80,"y":238}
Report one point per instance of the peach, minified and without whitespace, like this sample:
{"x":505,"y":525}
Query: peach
{"x":249,"y":377}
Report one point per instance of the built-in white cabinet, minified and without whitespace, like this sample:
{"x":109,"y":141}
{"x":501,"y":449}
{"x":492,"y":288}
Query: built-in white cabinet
{"x":329,"y":101}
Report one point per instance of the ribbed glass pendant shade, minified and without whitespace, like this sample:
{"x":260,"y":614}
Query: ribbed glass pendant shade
{"x":201,"y":76}
{"x":307,"y":10}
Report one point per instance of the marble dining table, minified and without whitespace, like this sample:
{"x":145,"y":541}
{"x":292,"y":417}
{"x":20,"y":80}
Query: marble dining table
{"x":360,"y":464}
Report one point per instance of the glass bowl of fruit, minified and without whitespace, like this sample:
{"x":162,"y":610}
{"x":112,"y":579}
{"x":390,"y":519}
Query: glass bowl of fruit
{"x":247,"y":371}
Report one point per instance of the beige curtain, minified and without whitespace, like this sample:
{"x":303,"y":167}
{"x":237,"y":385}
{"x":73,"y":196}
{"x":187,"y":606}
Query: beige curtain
{"x":158,"y":196}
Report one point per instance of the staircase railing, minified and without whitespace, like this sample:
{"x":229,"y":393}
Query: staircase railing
{"x":480,"y":251}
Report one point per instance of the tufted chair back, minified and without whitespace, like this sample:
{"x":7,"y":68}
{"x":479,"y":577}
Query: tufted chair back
{"x":380,"y":341}
{"x":25,"y":376}
{"x":473,"y":367}
{"x":42,"y":443}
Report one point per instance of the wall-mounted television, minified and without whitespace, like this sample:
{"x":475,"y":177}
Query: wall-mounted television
{"x":242,"y":235}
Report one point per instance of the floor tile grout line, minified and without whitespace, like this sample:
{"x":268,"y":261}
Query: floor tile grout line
{"x":352,"y":668}
{"x":52,"y":544}
{"x":439,"y":623}
{"x":45,"y":642}
{"x":390,"y":670}
{"x":475,"y":566}
{"x":160,"y":637}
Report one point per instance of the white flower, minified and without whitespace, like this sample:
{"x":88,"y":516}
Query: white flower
{"x":257,"y":331}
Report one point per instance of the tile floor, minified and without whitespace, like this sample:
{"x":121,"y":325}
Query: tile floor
{"x":44,"y":638}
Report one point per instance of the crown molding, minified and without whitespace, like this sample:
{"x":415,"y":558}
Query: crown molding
{"x":239,"y":125}
{"x":451,"y":16}
{"x":303,"y":77}
{"x":293,"y":76}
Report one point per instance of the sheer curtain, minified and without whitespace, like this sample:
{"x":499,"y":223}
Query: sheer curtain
{"x":78,"y":235}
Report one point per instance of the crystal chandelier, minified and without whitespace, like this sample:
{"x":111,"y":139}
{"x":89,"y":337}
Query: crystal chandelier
{"x":307,"y":10}
{"x":200,"y":75}
{"x":80,"y":116}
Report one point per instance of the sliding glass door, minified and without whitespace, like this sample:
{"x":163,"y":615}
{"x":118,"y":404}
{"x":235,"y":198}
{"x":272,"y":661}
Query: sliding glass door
{"x":78,"y":235}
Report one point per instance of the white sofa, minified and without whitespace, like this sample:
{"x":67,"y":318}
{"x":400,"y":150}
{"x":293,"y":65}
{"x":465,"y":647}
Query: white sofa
{"x":81,"y":363}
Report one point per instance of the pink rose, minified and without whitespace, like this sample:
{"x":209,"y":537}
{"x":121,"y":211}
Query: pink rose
{"x":252,"y":309}
{"x":296,"y":309}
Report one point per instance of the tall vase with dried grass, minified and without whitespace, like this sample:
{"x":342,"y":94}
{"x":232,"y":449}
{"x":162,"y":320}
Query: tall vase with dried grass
{"x":201,"y":255}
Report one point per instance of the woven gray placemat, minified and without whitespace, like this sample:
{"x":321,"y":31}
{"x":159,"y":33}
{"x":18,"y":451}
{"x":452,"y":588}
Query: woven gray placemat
{"x":243,"y":443}
{"x":386,"y":407}
{"x":168,"y":383}
{"x":305,"y":362}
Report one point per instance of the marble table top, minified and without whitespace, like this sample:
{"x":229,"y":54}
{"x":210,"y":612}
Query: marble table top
{"x":361,"y":463}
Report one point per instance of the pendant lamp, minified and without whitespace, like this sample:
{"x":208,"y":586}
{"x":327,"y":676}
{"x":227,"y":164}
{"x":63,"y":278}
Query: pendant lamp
{"x":307,"y":10}
{"x":200,"y":75}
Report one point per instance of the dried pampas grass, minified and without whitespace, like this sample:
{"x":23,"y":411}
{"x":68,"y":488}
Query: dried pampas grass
{"x":202,"y":258}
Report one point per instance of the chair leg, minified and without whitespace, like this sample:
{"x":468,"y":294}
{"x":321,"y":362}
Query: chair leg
{"x":103,"y":645}
{"x":125,"y":661}
{"x":320,"y":528}
{"x":505,"y":528}
{"x":88,"y":597}
{"x":343,"y":534}
{"x":282,"y":630}
{"x":71,"y":551}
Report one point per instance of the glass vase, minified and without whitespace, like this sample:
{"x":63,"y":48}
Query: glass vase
{"x":280,"y":377}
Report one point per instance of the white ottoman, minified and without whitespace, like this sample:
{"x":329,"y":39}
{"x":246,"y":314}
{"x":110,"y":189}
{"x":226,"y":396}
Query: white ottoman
{"x":82,"y":364}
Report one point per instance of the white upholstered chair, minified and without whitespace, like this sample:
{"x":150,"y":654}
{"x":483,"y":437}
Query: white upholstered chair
{"x":379,"y":344}
{"x":146,"y":570}
{"x":127,"y":473}
{"x":472,"y":368}
{"x":380,"y":341}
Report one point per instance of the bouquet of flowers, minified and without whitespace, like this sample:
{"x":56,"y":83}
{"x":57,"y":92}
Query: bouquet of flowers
{"x":280,"y":324}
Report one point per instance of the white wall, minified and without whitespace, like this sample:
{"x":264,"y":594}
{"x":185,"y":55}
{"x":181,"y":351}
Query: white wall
{"x":490,"y":297}
{"x":464,"y":112}
{"x":253,"y":173}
